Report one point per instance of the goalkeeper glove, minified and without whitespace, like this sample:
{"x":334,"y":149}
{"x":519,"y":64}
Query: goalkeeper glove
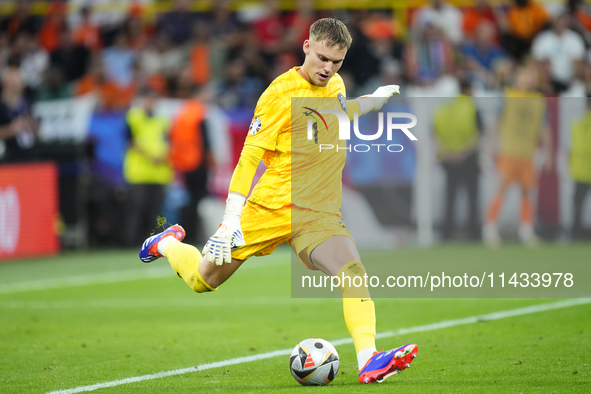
{"x":376,"y":100}
{"x":229,"y":236}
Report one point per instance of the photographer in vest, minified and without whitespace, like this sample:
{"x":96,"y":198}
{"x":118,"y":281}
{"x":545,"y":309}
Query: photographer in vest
{"x":457,"y":126}
{"x":580,"y":169}
{"x":146,"y":167}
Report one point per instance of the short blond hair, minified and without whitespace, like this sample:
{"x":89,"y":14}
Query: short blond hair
{"x":331,"y":32}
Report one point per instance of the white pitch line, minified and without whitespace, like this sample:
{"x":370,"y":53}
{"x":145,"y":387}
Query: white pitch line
{"x":152,"y":272}
{"x":263,"y":356}
{"x":166,"y":302}
{"x":86,"y":279}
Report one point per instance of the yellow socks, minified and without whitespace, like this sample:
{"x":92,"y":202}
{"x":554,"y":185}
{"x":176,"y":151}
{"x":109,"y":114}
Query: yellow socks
{"x":184,"y":260}
{"x":359,"y":311}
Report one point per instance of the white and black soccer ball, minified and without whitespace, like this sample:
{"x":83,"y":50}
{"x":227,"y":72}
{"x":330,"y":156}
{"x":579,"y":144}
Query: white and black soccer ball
{"x":314,"y":362}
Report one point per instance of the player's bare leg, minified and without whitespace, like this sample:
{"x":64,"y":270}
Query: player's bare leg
{"x":217,"y":275}
{"x":331,"y":255}
{"x":338,"y":256}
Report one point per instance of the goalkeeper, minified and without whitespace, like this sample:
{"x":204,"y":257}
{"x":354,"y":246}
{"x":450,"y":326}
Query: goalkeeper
{"x":257,"y":226}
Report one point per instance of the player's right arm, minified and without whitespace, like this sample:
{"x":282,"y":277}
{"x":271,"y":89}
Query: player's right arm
{"x":270,"y":117}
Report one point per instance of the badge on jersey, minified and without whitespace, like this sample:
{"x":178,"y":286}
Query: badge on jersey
{"x":255,"y":126}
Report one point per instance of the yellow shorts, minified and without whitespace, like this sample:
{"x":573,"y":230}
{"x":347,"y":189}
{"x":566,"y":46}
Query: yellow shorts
{"x":265,"y":228}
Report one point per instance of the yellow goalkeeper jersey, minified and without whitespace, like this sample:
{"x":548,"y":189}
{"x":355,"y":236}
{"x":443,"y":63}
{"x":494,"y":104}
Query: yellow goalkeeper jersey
{"x":289,"y":125}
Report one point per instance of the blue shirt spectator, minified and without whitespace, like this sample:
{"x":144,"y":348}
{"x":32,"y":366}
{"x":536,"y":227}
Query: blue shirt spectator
{"x":486,"y":57}
{"x":119,"y":60}
{"x":178,"y":24}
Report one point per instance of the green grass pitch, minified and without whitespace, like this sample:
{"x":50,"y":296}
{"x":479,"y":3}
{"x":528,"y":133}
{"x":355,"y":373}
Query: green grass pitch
{"x":86,"y":318}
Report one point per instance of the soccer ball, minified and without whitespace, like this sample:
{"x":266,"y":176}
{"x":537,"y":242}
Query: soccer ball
{"x":314,"y":362}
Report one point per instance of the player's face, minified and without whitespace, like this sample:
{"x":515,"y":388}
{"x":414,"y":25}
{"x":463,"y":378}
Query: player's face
{"x":322,"y":62}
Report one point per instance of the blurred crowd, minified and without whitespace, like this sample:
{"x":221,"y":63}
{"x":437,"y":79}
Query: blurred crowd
{"x":230,"y":55}
{"x":237,"y":53}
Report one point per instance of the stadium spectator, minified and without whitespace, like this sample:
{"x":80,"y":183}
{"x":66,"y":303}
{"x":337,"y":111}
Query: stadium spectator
{"x":200,"y":55}
{"x":482,"y":54}
{"x":55,"y":23}
{"x":524,"y":19}
{"x":34,"y":60}
{"x":457,"y":125}
{"x":269,"y":29}
{"x":481,"y":13}
{"x":237,"y":89}
{"x":140,"y":81}
{"x":178,"y":24}
{"x":21,"y":21}
{"x":521,"y":125}
{"x":225,"y":32}
{"x":55,"y":86}
{"x":580,"y":19}
{"x":444,"y":17}
{"x":361,"y":63}
{"x":162,"y":58}
{"x":254,"y":61}
{"x":137,"y":32}
{"x":88,"y":33}
{"x":224,"y":24}
{"x":146,"y":169}
{"x":561,"y":51}
{"x":73,"y":59}
{"x":109,"y":95}
{"x":4,"y":49}
{"x":503,"y":74}
{"x":385,"y":51}
{"x":382,"y":43}
{"x":191,"y":157}
{"x":225,"y":27}
{"x":580,"y":170}
{"x":18,"y":128}
{"x":429,"y":57}
{"x":377,"y":26}
{"x":119,"y":60}
{"x":183,"y":84}
{"x":299,"y":24}
{"x":585,"y":83}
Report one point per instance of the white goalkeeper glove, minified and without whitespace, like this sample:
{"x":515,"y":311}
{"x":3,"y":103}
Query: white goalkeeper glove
{"x":376,"y":100}
{"x":229,"y":236}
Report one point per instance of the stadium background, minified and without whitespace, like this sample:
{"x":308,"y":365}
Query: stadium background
{"x":78,"y":308}
{"x":80,"y":80}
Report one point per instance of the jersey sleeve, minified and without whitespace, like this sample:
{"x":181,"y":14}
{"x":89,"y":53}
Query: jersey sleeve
{"x":270,"y":117}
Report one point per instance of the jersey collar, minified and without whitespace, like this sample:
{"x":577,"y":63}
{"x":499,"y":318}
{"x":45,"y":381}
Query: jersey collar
{"x":313,"y":87}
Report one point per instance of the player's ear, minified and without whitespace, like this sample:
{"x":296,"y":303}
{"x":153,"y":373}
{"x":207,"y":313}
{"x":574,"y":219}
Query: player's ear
{"x":307,"y":47}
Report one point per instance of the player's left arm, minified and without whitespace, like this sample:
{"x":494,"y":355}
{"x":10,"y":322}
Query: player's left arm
{"x":372,"y":102}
